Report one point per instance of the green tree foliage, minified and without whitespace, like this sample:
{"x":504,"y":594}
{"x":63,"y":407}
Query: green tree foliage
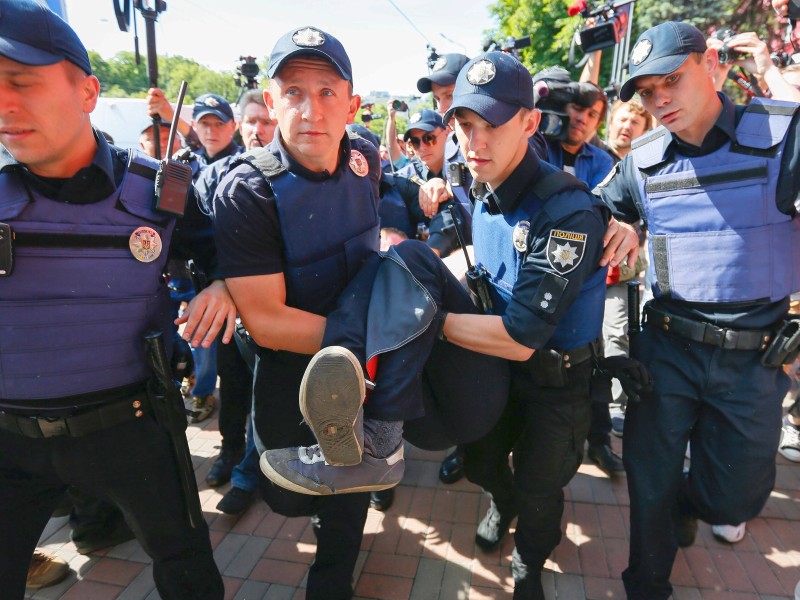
{"x":121,"y":77}
{"x":552,"y":29}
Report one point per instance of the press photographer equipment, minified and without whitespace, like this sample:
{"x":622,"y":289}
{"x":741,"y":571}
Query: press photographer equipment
{"x":552,"y":91}
{"x":150,"y":10}
{"x":609,"y":25}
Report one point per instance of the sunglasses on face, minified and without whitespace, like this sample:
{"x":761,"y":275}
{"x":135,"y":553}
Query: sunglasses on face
{"x":428,"y":139}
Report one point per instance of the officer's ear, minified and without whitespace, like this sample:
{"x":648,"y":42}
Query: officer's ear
{"x":530,"y":121}
{"x":355,"y":104}
{"x":270,"y":105}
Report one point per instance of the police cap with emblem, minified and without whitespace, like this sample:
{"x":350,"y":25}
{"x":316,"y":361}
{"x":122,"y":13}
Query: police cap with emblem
{"x":444,"y":72}
{"x":495,"y":85}
{"x":310,"y":41}
{"x":31,"y":34}
{"x":211,"y":104}
{"x":661,"y":50}
{"x":426,"y":120}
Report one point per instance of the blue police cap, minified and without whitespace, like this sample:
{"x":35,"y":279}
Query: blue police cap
{"x":31,"y":34}
{"x":426,"y":120}
{"x":444,"y":72}
{"x":310,"y":41}
{"x":211,"y":104}
{"x":495,"y":85}
{"x":661,"y":50}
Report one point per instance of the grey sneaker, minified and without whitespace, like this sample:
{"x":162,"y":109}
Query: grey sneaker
{"x":202,"y":408}
{"x":789,"y":446}
{"x":331,"y":395}
{"x":304,"y":470}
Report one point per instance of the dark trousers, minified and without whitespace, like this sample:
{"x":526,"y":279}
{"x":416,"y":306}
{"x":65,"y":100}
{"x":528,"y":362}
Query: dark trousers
{"x":130,"y":465}
{"x":729,"y":407}
{"x":278,"y":424}
{"x":473,"y":386}
{"x":235,"y":397}
{"x":600,"y":428}
{"x":546,"y":428}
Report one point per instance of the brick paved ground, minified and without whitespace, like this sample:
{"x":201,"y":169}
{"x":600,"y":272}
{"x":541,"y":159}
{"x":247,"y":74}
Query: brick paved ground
{"x":422,"y":548}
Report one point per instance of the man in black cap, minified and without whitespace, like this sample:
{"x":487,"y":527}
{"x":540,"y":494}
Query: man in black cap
{"x":293,"y":223}
{"x":716,"y":184}
{"x":81,"y":284}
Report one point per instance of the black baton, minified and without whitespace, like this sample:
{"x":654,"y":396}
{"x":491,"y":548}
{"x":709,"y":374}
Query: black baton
{"x":170,"y":414}
{"x":634,"y":326}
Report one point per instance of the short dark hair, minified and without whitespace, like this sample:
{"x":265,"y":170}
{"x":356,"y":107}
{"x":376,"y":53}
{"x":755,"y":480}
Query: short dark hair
{"x":251,"y":97}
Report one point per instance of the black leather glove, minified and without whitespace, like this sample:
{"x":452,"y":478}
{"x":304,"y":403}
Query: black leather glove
{"x":633,"y":376}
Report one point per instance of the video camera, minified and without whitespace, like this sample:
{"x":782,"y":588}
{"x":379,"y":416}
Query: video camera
{"x":610,"y":23}
{"x":247,"y":69}
{"x":552,"y":91}
{"x":510,"y":45}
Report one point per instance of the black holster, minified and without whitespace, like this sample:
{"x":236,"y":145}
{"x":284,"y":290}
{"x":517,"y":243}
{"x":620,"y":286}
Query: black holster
{"x":785,"y":346}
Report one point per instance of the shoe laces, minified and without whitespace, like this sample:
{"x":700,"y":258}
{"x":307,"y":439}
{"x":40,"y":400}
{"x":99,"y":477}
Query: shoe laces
{"x":310,"y":454}
{"x":791,"y":435}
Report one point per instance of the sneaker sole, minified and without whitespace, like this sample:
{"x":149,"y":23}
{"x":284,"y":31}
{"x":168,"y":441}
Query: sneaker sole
{"x":279,"y":480}
{"x":331,"y":394}
{"x":790,"y":454}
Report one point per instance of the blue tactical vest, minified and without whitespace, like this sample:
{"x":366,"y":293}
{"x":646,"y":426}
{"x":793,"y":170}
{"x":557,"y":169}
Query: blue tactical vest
{"x":77,"y":303}
{"x":329,"y":228}
{"x":495,"y":251}
{"x":716,"y":234}
{"x":392,"y":209}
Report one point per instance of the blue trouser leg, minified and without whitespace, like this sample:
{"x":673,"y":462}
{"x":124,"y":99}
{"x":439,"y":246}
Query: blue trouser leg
{"x":729,"y":407}
{"x":246,"y":474}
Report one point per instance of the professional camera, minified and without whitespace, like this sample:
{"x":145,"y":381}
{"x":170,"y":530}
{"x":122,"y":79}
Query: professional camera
{"x":247,"y":69}
{"x":726,"y":55}
{"x":399,"y":106}
{"x":610,"y":23}
{"x":510,"y":45}
{"x":552,"y":91}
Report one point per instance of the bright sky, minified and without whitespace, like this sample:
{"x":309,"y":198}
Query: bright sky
{"x":387,"y":52}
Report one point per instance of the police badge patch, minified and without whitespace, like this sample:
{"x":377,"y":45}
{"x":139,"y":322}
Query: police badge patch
{"x":211,"y":101}
{"x":145,"y":244}
{"x":640,"y":52}
{"x":482,"y":72}
{"x":415,"y":117}
{"x":565,"y":250}
{"x":308,"y":37}
{"x":440,"y":64}
{"x":358,"y":163}
{"x":520,"y":236}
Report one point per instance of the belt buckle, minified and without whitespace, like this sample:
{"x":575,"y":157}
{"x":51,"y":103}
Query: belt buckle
{"x":714,"y":336}
{"x":52,"y":427}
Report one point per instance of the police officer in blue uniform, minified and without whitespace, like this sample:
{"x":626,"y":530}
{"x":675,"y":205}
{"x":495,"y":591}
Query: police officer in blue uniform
{"x":293,"y":224}
{"x":538,"y":233}
{"x":716,"y":185}
{"x":81,"y":284}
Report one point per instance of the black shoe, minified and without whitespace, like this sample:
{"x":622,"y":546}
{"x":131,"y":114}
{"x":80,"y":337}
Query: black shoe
{"x":452,"y":468}
{"x":381,"y":500}
{"x":236,"y":501}
{"x":220,"y":472}
{"x":605,"y":458}
{"x":86,"y":544}
{"x":493,"y":528}
{"x":685,"y":530}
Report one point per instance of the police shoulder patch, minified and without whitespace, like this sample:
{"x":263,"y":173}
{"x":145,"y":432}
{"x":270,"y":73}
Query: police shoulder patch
{"x":358,"y":163}
{"x":565,"y":250}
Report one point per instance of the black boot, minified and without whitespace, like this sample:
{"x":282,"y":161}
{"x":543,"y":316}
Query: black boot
{"x":452,"y":468}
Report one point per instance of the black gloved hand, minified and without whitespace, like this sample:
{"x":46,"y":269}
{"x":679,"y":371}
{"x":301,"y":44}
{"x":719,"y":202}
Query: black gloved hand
{"x":633,"y":376}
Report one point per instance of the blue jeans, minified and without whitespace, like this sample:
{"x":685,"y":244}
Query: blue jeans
{"x":205,"y":359}
{"x":245,"y":475}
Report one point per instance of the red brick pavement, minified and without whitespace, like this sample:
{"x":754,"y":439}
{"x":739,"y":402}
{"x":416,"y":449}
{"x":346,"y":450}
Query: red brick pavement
{"x":423,"y":549}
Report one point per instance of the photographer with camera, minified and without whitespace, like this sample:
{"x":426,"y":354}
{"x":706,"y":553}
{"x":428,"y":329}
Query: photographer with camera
{"x":748,"y":51}
{"x":397,"y":155}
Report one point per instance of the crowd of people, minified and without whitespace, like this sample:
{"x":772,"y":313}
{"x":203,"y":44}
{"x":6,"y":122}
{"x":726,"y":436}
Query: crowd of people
{"x":317,"y":272}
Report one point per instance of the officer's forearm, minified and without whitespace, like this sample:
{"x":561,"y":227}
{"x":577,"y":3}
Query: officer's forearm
{"x":485,"y":334}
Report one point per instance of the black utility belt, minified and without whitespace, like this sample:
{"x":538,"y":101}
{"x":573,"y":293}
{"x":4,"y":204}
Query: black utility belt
{"x":779,"y":346}
{"x":83,"y":422}
{"x":706,"y":333}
